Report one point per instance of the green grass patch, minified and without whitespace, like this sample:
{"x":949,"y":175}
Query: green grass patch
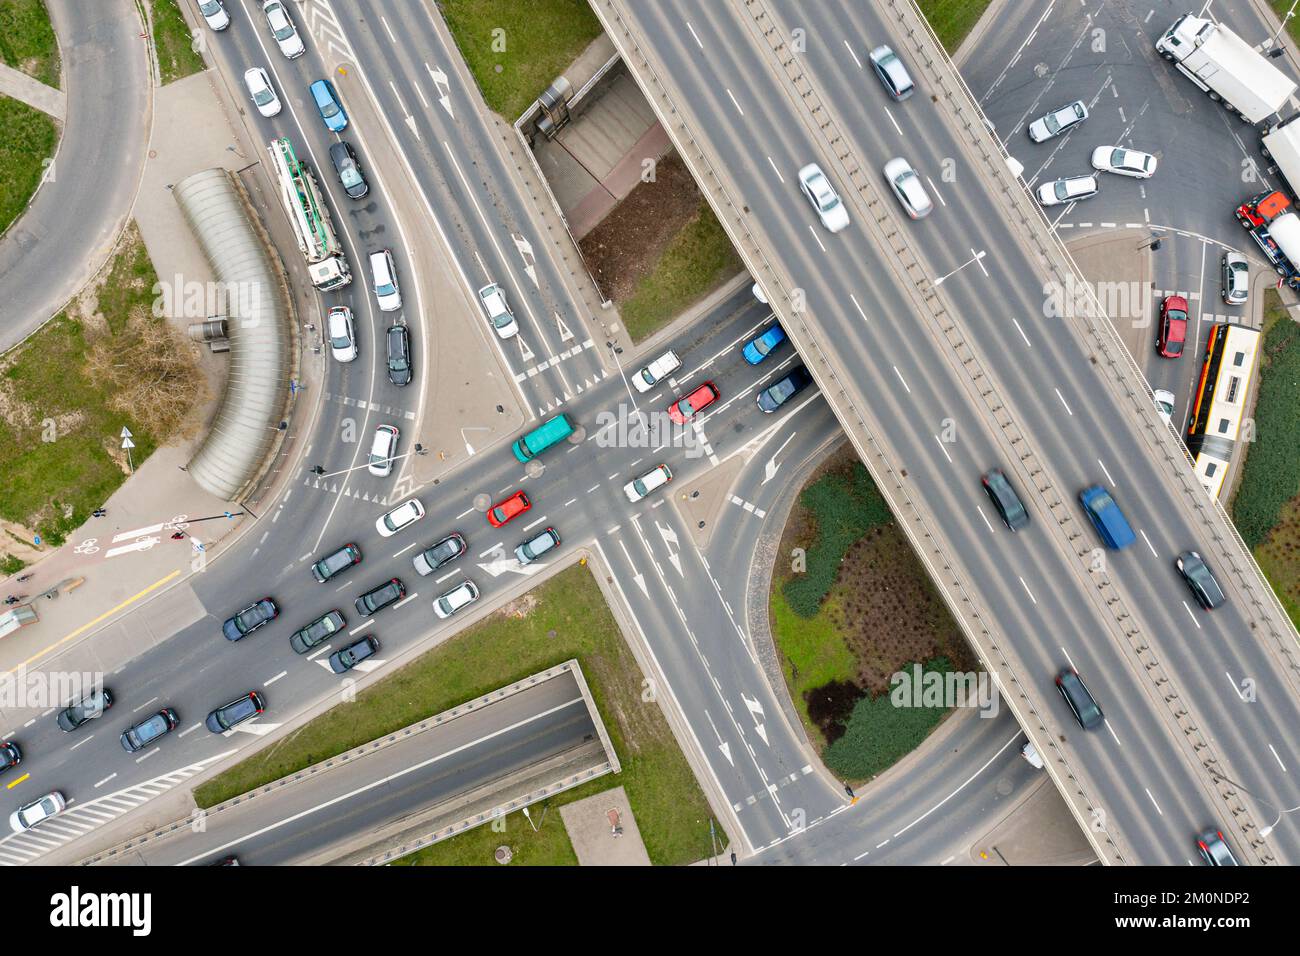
{"x":1271,"y":472}
{"x":879,"y":732}
{"x":694,"y":263}
{"x":27,"y":41}
{"x":565,"y":617}
{"x":515,"y":48}
{"x":29,"y":142}
{"x":951,"y":20}
{"x":844,"y":506}
{"x":173,"y":42}
{"x":62,"y":426}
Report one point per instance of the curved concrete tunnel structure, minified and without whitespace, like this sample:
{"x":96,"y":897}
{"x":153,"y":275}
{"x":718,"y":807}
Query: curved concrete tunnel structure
{"x":246,"y":425}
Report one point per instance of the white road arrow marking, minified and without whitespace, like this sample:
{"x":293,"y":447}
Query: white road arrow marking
{"x":256,"y":729}
{"x":502,"y":562}
{"x":526,"y":253}
{"x":770,"y":469}
{"x":670,"y":540}
{"x":722,"y":744}
{"x":525,"y":353}
{"x":756,"y":711}
{"x":637,"y":576}
{"x":440,"y":82}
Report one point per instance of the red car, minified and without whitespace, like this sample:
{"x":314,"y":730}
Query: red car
{"x":684,"y":409}
{"x":511,"y":508}
{"x":1173,"y":326}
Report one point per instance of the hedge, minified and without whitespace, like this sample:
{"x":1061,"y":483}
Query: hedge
{"x":1271,"y":476}
{"x":845,"y":507}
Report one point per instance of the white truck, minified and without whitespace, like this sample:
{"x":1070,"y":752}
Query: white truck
{"x":310,"y":217}
{"x":1226,"y":67}
{"x":1281,"y":144}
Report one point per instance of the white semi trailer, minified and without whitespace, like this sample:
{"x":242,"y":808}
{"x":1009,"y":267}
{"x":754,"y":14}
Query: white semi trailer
{"x":1226,"y":67}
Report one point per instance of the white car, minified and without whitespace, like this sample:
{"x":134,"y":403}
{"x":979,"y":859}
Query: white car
{"x":498,"y":311}
{"x":1164,"y":400}
{"x":823,"y":197}
{"x":654,"y":373}
{"x":462,"y":595}
{"x":263,"y":93}
{"x":1070,"y":189}
{"x":214,"y":13}
{"x":638,"y":488}
{"x":1058,"y":121}
{"x":407,"y":513}
{"x":343,"y":338}
{"x":759,"y":294}
{"x":1030,"y":753}
{"x":282,"y":28}
{"x":385,"y":275}
{"x":383,"y":448}
{"x":28,"y":815}
{"x":1124,"y":162}
{"x":907,"y":187}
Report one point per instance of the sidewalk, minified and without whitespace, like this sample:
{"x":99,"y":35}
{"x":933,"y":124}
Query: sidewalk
{"x":21,"y":87}
{"x":128,"y":555}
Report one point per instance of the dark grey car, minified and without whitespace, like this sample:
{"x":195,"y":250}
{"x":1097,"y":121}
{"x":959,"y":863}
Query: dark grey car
{"x":445,"y":551}
{"x":1086,"y":710}
{"x":236,"y":712}
{"x":88,"y":708}
{"x":349,"y":170}
{"x":147,"y":731}
{"x":317,"y":632}
{"x":1005,"y":499}
{"x":399,"y":354}
{"x":390,"y":592}
{"x":342,"y":661}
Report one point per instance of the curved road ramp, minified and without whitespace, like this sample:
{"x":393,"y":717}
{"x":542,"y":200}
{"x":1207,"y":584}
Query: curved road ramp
{"x":406,"y":790}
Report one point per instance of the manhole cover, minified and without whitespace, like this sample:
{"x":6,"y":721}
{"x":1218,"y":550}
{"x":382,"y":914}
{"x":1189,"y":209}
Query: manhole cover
{"x":534,"y":469}
{"x":503,"y":855}
{"x":482,"y":502}
{"x":1004,"y":787}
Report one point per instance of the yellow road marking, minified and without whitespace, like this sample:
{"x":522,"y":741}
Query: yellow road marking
{"x":89,"y":624}
{"x":15,"y":783}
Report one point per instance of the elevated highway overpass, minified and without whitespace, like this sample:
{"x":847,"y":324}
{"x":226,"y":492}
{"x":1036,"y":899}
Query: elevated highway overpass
{"x":935,"y":347}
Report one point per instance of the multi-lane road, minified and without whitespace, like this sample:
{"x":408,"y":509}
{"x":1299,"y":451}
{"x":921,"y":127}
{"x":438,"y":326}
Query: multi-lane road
{"x":1148,"y":793}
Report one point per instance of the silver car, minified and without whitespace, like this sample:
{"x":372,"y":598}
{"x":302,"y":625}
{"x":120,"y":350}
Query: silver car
{"x":1234,"y":278}
{"x":906,"y":184}
{"x":824,"y":198}
{"x":1070,"y":189}
{"x":1164,"y":401}
{"x":1058,"y":121}
{"x":282,"y":28}
{"x":893,"y":74}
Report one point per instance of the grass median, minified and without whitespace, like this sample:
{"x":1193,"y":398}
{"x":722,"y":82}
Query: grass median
{"x":27,"y":41}
{"x":26,"y":148}
{"x":565,"y":617}
{"x":173,"y":41}
{"x":514,"y":50}
{"x":951,"y":20}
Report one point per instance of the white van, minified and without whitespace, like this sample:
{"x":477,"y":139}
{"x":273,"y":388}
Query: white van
{"x":654,"y":373}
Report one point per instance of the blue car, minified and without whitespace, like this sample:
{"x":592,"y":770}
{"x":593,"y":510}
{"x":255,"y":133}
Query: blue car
{"x":331,"y":110}
{"x":758,"y":349}
{"x":1107,"y":518}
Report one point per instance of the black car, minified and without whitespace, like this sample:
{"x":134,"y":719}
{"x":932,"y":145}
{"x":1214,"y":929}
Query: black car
{"x":250,"y":619}
{"x":330,"y":565}
{"x":390,"y":592}
{"x":399,"y":355}
{"x":88,"y":708}
{"x":1081,"y":702}
{"x":1005,"y":499}
{"x":147,"y":731}
{"x":10,"y":755}
{"x":236,"y":712}
{"x":448,"y":549}
{"x":349,"y":657}
{"x":1199,"y":577}
{"x":349,"y":170}
{"x":770,"y":399}
{"x":1214,"y":848}
{"x":317,"y":632}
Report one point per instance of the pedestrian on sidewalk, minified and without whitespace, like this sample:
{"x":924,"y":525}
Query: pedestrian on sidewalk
{"x":178,"y":535}
{"x":98,"y":513}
